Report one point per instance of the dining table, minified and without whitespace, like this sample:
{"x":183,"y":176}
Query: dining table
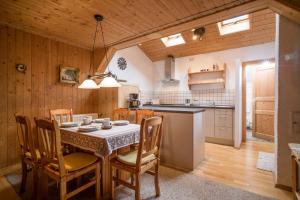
{"x":103,"y":143}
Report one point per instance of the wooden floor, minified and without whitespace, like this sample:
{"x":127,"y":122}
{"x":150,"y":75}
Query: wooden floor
{"x":237,"y":168}
{"x":223,"y":164}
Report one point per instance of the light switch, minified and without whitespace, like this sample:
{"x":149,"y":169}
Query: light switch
{"x":295,"y":122}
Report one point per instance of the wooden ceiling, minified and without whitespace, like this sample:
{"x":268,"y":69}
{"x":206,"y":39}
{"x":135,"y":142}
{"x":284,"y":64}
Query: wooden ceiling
{"x":262,"y":30}
{"x":72,"y":20}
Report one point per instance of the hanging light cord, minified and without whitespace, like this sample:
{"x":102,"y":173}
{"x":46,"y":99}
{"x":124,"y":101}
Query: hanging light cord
{"x":105,"y":50}
{"x":93,"y":50}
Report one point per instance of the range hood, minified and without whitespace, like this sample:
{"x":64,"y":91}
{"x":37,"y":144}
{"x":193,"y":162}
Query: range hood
{"x":170,"y":70}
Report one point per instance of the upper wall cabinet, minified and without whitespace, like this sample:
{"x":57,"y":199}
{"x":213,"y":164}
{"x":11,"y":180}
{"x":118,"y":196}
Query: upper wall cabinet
{"x":207,"y":79}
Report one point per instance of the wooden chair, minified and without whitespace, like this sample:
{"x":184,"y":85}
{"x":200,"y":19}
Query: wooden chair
{"x":142,"y":160}
{"x":30,"y":156}
{"x":64,"y":168}
{"x":140,"y":114}
{"x":121,"y":114}
{"x":61,"y":115}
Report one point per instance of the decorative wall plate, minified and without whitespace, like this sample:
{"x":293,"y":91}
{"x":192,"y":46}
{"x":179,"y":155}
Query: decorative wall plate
{"x":122,"y":64}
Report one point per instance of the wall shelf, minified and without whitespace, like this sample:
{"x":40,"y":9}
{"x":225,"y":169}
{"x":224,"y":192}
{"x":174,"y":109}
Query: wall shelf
{"x":208,"y":78}
{"x":215,"y":71}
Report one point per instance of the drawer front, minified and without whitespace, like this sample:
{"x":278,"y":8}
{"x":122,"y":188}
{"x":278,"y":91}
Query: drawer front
{"x":223,"y":121}
{"x":224,"y":133}
{"x":223,"y":112}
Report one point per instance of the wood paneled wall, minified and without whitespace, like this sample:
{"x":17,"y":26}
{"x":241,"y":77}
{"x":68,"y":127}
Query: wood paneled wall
{"x":38,"y":90}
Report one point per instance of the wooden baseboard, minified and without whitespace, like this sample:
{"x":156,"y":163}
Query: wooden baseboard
{"x":10,"y":169}
{"x":174,"y":167}
{"x":219,"y":141}
{"x":264,"y":136}
{"x":283,"y":187}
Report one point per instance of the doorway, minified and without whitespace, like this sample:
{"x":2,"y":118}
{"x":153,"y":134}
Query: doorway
{"x":258,"y":98}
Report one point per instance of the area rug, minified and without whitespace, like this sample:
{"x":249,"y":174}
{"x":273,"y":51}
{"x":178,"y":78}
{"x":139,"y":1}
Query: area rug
{"x":174,"y":185}
{"x":265,"y":161}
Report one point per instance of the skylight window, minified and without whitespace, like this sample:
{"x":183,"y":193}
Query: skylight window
{"x":173,"y":40}
{"x":233,"y":25}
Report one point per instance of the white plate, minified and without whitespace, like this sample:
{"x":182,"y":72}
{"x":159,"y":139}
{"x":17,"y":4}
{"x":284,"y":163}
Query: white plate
{"x":121,"y":122}
{"x":68,"y":124}
{"x":87,"y":128}
{"x":98,"y":120}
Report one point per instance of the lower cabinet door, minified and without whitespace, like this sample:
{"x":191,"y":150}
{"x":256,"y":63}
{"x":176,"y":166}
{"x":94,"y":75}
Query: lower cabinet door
{"x":224,"y":133}
{"x":209,"y":123}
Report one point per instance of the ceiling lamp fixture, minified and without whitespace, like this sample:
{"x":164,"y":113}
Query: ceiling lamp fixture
{"x":198,"y":33}
{"x":108,"y":79}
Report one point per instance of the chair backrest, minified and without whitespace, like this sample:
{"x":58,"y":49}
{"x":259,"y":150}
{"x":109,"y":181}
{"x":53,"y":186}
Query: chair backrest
{"x":25,"y":136}
{"x":140,"y":114}
{"x":121,"y":114}
{"x":150,"y":138}
{"x":48,"y":135}
{"x":61,"y":115}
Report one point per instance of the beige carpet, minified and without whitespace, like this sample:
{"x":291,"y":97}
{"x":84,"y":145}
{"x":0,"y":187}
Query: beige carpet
{"x":174,"y":185}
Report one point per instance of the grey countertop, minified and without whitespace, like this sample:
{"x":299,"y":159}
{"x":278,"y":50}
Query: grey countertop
{"x":173,"y":109}
{"x":191,"y":106}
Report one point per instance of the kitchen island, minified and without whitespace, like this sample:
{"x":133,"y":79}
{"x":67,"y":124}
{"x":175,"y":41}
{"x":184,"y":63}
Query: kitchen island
{"x":183,"y":137}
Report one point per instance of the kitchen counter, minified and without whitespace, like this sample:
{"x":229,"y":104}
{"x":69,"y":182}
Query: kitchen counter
{"x":183,"y":137}
{"x":173,"y":109}
{"x":193,"y":106}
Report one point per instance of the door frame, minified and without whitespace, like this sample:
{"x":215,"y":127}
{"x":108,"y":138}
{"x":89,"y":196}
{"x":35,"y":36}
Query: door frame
{"x":244,"y":92}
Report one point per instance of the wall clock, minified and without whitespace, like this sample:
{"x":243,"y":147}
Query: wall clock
{"x":122,"y":64}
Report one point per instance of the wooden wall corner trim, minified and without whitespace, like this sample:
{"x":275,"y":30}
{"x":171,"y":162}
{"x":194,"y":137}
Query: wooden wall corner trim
{"x":100,"y":63}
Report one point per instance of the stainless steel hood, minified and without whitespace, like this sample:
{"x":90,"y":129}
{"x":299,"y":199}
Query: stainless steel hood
{"x":170,"y":70}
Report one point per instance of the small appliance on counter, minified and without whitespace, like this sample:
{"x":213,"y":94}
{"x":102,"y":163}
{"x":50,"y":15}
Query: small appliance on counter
{"x":134,"y":101}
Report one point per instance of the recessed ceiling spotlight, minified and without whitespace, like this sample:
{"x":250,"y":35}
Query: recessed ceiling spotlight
{"x":198,"y":33}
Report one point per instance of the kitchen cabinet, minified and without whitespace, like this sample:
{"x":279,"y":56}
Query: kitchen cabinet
{"x":218,"y":125}
{"x":183,"y":139}
{"x":208,"y":122}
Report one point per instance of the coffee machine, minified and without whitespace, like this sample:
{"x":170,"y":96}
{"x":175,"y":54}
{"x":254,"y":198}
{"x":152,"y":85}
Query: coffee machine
{"x":134,"y":101}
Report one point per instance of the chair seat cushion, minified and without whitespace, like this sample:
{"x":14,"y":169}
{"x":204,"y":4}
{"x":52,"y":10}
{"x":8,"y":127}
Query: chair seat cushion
{"x":130,"y":158}
{"x":29,"y":156}
{"x":78,"y":160}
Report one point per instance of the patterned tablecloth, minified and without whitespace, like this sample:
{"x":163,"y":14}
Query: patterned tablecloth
{"x":102,"y":142}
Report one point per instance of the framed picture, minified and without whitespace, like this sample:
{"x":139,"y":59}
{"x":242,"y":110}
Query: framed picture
{"x":69,"y":75}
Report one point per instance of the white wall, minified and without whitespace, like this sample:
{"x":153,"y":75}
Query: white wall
{"x":139,"y":69}
{"x":197,"y":62}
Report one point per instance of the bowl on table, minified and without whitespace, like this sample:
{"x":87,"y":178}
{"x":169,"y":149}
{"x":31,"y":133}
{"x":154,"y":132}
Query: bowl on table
{"x":106,"y":127}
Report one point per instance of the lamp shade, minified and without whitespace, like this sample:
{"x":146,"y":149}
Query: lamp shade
{"x":109,"y":82}
{"x":88,"y":84}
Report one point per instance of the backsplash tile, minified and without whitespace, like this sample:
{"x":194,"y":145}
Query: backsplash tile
{"x":204,"y":96}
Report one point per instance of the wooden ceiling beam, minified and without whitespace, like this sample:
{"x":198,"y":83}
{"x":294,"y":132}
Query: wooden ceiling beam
{"x":281,"y":7}
{"x":209,"y":18}
{"x":285,"y":9}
